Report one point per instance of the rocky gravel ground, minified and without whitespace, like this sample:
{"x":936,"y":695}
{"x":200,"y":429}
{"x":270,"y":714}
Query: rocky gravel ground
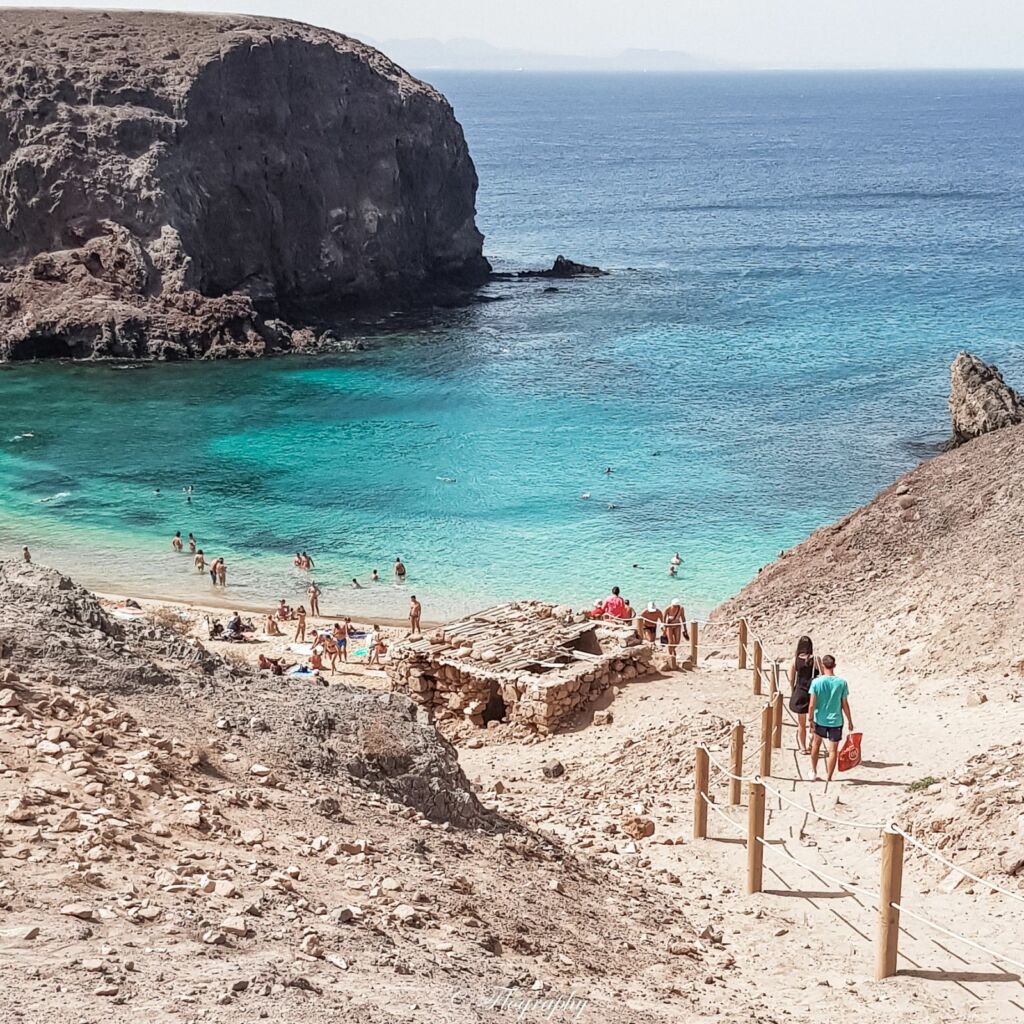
{"x":198,"y":842}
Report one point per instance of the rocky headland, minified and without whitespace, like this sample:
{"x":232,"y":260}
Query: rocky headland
{"x":176,"y":185}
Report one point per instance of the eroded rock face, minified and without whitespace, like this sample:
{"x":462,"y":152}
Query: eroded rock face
{"x":980,"y":401}
{"x":167,"y":181}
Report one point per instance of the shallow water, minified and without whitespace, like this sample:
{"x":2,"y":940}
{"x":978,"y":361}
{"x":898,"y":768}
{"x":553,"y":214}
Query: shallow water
{"x":796,"y":260}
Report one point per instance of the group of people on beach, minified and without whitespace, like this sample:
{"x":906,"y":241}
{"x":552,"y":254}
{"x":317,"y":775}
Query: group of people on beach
{"x":652,"y":624}
{"x":819,"y":699}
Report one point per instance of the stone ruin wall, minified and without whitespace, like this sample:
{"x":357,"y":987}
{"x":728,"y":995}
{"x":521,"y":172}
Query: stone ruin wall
{"x":543,"y":703}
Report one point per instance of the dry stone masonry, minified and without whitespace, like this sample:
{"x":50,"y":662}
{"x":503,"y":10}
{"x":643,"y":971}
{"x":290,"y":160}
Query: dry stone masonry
{"x":527,"y":662}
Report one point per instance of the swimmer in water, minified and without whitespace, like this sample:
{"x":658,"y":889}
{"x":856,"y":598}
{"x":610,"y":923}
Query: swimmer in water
{"x":585,"y":496}
{"x":672,"y":570}
{"x":676,"y":560}
{"x":356,"y":585}
{"x":374,"y":577}
{"x":307,"y":562}
{"x":176,"y":541}
{"x":157,"y":491}
{"x":609,"y":471}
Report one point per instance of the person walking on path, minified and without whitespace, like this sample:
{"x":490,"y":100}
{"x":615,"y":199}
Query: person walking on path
{"x":415,"y":610}
{"x":801,"y":674}
{"x":674,"y":626}
{"x":829,"y":703}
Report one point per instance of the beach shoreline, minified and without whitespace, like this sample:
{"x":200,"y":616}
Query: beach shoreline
{"x":219,"y":606}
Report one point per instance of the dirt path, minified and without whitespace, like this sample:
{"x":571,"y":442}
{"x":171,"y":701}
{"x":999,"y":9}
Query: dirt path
{"x":804,"y":930}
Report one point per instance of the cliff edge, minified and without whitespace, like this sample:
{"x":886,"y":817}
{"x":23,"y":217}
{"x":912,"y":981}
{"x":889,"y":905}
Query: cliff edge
{"x":169,"y":183}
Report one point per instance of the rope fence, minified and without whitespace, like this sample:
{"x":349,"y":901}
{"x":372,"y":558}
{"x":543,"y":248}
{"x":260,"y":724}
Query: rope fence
{"x":888,"y":900}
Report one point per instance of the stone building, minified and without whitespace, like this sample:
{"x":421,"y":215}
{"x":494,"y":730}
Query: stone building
{"x":526,"y":662}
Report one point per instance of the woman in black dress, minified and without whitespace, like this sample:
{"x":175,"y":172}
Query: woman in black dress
{"x":801,"y":675}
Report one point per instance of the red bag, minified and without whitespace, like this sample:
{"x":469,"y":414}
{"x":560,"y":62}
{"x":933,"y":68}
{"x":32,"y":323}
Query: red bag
{"x":849,"y":755}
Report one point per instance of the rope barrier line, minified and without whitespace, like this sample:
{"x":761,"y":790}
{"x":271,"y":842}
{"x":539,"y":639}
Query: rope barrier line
{"x":953,"y":935}
{"x":724,"y":771}
{"x":870,"y":826}
{"x":849,"y":886}
{"x":949,"y":864}
{"x":718,"y":810}
{"x":873,"y":897}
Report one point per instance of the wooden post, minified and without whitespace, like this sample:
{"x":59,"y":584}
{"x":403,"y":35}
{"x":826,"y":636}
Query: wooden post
{"x":758,"y":655}
{"x":700,"y":791}
{"x":742,"y":653}
{"x":767,"y":724}
{"x":777,"y":721}
{"x":694,"y":629}
{"x":776,"y":681}
{"x":755,"y":832}
{"x":735,"y":762}
{"x":889,"y":916}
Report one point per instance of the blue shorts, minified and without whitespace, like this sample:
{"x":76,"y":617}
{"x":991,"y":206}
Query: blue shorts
{"x":834,"y":733}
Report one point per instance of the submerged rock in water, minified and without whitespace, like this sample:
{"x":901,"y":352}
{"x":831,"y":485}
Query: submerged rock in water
{"x":563,"y":268}
{"x":168,"y":182}
{"x":980,"y":401}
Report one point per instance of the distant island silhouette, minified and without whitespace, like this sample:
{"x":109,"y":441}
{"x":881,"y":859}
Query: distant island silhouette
{"x":477,"y":55}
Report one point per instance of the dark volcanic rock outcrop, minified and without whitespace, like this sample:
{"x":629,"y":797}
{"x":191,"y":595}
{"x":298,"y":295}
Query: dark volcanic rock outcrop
{"x":980,"y":401}
{"x":167,"y":181}
{"x":564,"y":268}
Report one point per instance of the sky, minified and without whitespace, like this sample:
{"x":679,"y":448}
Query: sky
{"x":750,"y":33}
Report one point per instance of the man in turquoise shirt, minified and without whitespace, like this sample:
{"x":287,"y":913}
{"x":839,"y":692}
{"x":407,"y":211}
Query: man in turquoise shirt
{"x":828,"y":706}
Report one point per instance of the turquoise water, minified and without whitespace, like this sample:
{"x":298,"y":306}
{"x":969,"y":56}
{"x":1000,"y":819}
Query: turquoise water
{"x":796,"y":259}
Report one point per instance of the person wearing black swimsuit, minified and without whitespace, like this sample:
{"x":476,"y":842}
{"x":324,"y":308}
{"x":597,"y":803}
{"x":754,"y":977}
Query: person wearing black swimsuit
{"x":801,"y":675}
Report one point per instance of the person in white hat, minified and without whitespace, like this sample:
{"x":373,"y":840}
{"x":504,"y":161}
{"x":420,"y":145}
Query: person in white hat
{"x":648,"y":623}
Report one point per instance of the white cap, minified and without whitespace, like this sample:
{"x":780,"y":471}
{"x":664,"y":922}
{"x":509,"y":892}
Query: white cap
{"x":676,"y":602}
{"x":652,"y":607}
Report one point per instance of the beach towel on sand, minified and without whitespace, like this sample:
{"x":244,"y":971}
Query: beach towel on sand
{"x":849,"y":756}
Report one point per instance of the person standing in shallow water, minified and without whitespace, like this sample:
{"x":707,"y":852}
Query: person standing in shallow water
{"x":176,"y":541}
{"x":222,"y":573}
{"x":801,"y":674}
{"x":399,"y":569}
{"x":415,"y":610}
{"x":191,"y":544}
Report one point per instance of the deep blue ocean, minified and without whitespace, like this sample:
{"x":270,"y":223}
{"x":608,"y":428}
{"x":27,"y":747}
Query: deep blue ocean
{"x":796,"y":259}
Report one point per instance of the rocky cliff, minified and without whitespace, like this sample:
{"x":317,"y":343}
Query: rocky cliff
{"x":980,"y":401}
{"x":169,"y":183}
